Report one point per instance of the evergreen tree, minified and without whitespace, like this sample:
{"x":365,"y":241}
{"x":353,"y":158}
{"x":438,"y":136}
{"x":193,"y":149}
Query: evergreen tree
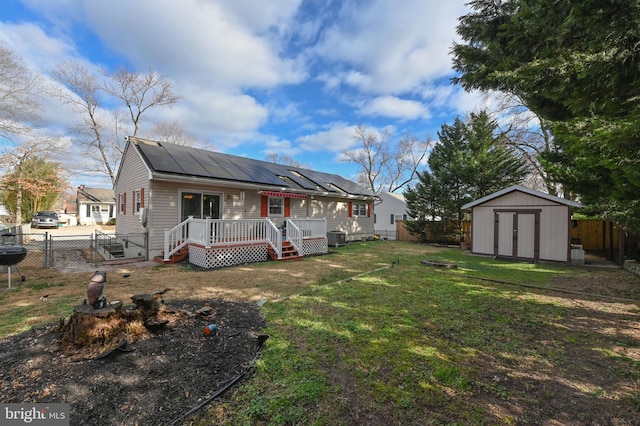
{"x":575,"y":64}
{"x":469,"y":162}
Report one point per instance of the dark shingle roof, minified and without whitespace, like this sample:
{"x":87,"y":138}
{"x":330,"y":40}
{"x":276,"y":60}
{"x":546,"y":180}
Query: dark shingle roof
{"x":96,"y":195}
{"x":168,"y":158}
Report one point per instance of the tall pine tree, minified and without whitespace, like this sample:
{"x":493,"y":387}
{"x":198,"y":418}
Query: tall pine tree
{"x":469,"y":162}
{"x":575,"y":64}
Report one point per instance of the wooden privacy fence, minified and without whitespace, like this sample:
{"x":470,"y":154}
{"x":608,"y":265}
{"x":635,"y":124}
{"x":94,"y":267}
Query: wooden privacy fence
{"x":596,"y":235}
{"x":402,"y":234}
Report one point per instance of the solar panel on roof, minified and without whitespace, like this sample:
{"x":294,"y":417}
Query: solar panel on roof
{"x":319,"y":178}
{"x":258,"y":172}
{"x":187,"y":162}
{"x":236,"y":173}
{"x":324,"y":179}
{"x":300,"y":181}
{"x":169,"y":158}
{"x":158,"y":158}
{"x":214,"y":169}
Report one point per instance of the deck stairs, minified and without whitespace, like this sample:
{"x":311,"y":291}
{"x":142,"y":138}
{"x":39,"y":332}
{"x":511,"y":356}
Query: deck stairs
{"x":289,"y":252}
{"x":176,"y":257}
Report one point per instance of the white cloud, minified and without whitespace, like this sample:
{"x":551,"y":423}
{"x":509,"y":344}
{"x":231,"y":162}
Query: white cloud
{"x":465,"y":102}
{"x":251,"y":74}
{"x":393,"y":107}
{"x":39,"y":51}
{"x":389,"y":47}
{"x":337,"y":138}
{"x":262,"y":16}
{"x":228,"y":120}
{"x":195,"y":41}
{"x":282,"y":147}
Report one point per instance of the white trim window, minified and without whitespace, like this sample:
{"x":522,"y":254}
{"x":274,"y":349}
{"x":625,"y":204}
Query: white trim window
{"x":276,"y":206}
{"x":360,"y":209}
{"x":138,"y":204}
{"x":121,"y":203}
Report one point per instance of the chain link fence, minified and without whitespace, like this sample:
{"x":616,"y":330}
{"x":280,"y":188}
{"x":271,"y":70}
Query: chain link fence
{"x":48,"y":250}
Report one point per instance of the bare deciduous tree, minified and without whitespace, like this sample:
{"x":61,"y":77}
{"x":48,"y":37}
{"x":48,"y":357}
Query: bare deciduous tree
{"x":530,"y":134}
{"x":386,"y":166}
{"x":174,"y":132}
{"x":140,"y":92}
{"x":89,"y":94}
{"x":283,"y":159}
{"x":84,"y":94}
{"x":19,"y":106}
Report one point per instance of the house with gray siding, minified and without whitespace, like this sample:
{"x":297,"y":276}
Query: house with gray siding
{"x":222,"y":209}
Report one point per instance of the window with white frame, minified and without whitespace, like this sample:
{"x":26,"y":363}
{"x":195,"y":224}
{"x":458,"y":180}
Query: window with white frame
{"x":99,"y":208}
{"x":359,"y":209}
{"x":276,"y":206}
{"x":121,"y":203}
{"x":138,"y":201}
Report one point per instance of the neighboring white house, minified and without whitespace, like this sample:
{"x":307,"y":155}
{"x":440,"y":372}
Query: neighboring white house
{"x":390,"y":208}
{"x":522,"y":223}
{"x":95,"y":206}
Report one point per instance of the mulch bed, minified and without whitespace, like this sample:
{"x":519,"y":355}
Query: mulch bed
{"x":152,"y":381}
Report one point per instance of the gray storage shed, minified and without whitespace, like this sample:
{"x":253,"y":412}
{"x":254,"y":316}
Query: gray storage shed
{"x":521,"y":223}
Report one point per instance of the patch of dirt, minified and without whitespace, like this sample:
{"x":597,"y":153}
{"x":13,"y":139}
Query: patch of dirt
{"x":155,"y":380}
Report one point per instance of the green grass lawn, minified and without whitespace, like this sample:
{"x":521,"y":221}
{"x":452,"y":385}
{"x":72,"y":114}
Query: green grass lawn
{"x":369,"y":335}
{"x":412,"y":344}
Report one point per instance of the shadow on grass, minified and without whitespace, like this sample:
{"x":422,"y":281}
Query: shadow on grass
{"x":407,"y":346}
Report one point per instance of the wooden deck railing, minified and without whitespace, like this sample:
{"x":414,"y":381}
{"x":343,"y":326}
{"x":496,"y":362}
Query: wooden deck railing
{"x":225,"y":232}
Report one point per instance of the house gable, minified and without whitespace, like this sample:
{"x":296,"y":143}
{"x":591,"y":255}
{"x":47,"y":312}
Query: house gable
{"x":523,"y":190}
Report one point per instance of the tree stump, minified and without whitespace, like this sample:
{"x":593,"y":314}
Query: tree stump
{"x":94,"y":330}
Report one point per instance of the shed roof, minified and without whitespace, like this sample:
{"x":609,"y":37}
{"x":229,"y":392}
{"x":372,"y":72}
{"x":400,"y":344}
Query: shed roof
{"x":166,"y":159}
{"x":525,"y":190}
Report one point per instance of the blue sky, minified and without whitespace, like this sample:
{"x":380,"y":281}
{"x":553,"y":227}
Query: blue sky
{"x":292,"y":77}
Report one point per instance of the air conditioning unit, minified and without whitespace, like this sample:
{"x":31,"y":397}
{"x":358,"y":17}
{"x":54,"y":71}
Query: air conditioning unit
{"x":336,"y":238}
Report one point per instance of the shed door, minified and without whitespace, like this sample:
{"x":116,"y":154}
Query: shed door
{"x":525,"y":235}
{"x":517,"y":234}
{"x":504,"y":241}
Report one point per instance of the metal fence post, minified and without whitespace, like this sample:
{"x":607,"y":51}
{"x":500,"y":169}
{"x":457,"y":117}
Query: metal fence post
{"x":45,"y":250}
{"x":94,"y":250}
{"x":51,"y":254}
{"x":146,"y":244}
